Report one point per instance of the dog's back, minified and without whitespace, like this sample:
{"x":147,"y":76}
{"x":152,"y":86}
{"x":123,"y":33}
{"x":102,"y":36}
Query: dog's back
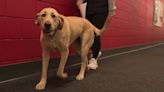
{"x":82,"y":24}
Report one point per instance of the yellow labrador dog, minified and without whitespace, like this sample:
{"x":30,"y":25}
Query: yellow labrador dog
{"x":58,"y":32}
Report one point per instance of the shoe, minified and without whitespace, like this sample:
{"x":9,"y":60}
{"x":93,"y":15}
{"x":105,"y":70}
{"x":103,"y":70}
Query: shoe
{"x":92,"y":64}
{"x":100,"y":53}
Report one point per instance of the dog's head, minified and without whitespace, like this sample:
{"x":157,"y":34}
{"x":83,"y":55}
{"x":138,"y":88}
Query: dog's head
{"x":49,"y":20}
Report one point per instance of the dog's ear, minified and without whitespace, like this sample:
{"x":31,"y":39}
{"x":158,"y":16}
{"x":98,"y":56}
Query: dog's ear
{"x":61,"y":23}
{"x":37,"y":19}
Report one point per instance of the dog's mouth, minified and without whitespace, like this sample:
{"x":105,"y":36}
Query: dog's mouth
{"x":47,"y":28}
{"x":47,"y":31}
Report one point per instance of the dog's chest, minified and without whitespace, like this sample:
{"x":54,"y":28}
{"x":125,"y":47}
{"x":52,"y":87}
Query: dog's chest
{"x":53,"y":44}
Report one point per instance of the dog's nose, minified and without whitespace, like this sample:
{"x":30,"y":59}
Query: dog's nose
{"x":47,"y":26}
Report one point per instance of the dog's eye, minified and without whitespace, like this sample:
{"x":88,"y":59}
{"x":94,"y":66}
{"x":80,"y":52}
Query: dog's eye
{"x":53,"y":16}
{"x":43,"y":15}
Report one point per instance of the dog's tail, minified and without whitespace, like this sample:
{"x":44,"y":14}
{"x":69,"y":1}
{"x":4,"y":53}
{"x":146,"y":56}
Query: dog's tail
{"x":100,"y":31}
{"x":104,"y":29}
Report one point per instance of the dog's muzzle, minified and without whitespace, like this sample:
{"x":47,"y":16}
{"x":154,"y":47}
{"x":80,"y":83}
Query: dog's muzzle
{"x":47,"y":28}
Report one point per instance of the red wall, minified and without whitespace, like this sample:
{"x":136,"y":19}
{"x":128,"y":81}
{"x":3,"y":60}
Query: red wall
{"x":19,"y":37}
{"x":132,"y":25}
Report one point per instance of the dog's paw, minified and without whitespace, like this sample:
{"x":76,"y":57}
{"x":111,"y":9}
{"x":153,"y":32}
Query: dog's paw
{"x":62,"y":75}
{"x":79,"y":77}
{"x":40,"y":86}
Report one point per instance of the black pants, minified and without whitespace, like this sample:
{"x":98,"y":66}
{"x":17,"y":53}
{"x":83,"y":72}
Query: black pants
{"x":97,"y":20}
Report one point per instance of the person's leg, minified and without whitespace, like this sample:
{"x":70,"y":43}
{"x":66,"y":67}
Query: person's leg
{"x":97,"y":20}
{"x":96,"y":47}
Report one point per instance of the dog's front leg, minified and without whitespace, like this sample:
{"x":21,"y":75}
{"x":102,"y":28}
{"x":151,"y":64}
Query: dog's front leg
{"x":63,"y":60}
{"x":45,"y":61}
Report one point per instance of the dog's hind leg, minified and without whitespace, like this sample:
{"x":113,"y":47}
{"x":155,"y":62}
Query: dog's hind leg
{"x":86,"y":43}
{"x":84,"y":63}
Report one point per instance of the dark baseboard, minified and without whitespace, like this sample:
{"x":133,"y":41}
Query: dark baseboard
{"x":19,"y":70}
